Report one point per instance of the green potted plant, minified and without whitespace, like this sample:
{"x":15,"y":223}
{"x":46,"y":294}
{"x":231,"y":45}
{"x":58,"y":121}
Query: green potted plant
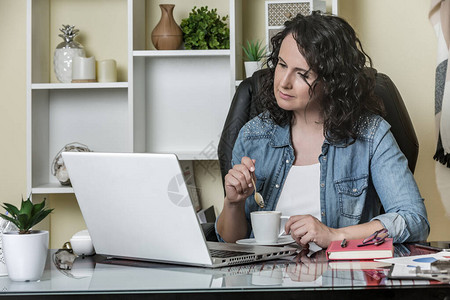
{"x":205,"y":29}
{"x":25,"y":250}
{"x":254,"y":53}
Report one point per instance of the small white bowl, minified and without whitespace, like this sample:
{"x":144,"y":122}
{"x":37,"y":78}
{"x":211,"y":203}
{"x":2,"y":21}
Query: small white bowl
{"x":82,"y":244}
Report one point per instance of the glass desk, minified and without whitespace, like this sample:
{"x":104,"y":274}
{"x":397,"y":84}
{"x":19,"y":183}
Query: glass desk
{"x":295,"y":277}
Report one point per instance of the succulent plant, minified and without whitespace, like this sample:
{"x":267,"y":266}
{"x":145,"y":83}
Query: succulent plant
{"x":27,"y":216}
{"x":254,"y":50}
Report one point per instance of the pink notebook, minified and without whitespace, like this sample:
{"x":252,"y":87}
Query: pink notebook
{"x":352,"y":251}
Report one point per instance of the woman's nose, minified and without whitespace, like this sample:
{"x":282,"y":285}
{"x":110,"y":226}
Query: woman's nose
{"x":286,"y":80}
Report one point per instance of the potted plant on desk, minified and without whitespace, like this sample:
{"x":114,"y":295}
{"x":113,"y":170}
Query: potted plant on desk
{"x":254,"y":52}
{"x":25,"y":250}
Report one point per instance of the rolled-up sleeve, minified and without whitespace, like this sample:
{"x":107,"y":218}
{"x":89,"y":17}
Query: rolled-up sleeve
{"x":405,"y":213}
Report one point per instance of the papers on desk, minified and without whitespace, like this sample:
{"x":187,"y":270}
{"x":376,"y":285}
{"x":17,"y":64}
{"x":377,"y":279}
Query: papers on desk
{"x":409,"y":272}
{"x":434,"y":266}
{"x":422,"y":261}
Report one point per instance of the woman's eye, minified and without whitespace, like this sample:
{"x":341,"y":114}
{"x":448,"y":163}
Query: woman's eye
{"x":282,"y":65}
{"x":303,"y":75}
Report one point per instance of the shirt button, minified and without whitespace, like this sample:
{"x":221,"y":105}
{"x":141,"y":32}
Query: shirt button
{"x":323,"y":213}
{"x":325,"y":157}
{"x":354,"y":190}
{"x":277,"y":186}
{"x":322,"y":184}
{"x":287,"y":161}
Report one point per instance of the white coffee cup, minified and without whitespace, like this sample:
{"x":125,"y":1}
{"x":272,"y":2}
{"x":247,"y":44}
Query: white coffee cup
{"x":283,"y":222}
{"x":266,"y":226}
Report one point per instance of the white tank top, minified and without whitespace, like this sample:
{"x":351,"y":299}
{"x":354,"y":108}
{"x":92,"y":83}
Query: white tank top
{"x":301,"y":192}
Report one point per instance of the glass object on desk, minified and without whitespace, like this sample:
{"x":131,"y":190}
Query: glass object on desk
{"x":65,"y":52}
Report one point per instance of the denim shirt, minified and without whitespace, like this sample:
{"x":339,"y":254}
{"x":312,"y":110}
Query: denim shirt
{"x":355,"y":180}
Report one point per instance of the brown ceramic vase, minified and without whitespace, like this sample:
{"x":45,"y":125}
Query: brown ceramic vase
{"x":167,"y":35}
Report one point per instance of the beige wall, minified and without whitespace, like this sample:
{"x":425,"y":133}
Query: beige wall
{"x":84,"y":14}
{"x":396,"y":34}
{"x":12,"y":100}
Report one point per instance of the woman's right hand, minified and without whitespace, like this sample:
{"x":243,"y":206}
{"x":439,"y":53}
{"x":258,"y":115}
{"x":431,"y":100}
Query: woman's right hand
{"x":238,"y":181}
{"x":232,"y":224}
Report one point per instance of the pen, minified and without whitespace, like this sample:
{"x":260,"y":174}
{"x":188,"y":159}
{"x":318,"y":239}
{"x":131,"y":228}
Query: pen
{"x":344,"y":243}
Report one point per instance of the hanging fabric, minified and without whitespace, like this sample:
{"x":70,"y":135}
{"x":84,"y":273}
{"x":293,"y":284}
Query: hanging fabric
{"x":440,"y":19}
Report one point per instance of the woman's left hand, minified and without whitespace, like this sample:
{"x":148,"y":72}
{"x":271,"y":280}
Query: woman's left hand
{"x":306,"y":228}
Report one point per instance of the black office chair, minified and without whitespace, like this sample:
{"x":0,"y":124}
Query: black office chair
{"x":245,"y":106}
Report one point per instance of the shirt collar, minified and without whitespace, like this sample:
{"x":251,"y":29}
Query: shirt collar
{"x":281,"y":137}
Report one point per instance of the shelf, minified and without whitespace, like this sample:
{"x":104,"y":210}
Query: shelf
{"x":166,"y":101}
{"x":52,"y":188}
{"x":186,"y":155}
{"x":88,"y":85}
{"x":180,"y":53}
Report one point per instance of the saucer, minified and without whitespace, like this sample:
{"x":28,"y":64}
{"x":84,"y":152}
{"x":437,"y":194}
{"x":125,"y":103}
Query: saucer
{"x":282,"y":240}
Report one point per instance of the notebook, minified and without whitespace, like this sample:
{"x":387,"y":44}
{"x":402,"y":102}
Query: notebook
{"x":352,"y":251}
{"x":137,"y":206}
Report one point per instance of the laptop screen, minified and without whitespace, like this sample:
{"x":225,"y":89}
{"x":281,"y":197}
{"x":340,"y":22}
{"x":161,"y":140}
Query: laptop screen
{"x":136,"y":205}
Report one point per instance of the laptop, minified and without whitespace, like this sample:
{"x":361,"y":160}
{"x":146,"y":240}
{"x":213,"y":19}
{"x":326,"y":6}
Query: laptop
{"x":137,"y":206}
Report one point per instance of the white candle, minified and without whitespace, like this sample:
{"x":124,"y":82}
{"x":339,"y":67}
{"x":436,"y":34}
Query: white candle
{"x":83,"y":68}
{"x":107,"y":70}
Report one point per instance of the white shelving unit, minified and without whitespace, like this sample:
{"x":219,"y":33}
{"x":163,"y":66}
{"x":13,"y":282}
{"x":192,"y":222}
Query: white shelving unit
{"x":173,"y":101}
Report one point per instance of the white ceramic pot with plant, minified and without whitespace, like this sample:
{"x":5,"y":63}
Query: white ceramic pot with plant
{"x":254,"y":52}
{"x":25,"y":250}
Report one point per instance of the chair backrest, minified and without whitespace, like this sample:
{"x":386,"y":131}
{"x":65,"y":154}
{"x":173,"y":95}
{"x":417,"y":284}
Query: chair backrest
{"x":245,"y":106}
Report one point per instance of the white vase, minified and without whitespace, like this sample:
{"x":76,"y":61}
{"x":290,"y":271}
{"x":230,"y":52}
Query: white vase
{"x":25,"y":254}
{"x":251,"y":67}
{"x":65,"y":53}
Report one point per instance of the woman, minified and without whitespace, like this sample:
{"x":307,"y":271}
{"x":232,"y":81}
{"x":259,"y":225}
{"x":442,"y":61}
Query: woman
{"x":320,"y":152}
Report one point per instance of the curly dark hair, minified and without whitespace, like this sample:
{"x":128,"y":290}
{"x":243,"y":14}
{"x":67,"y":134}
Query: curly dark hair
{"x":333,"y":52}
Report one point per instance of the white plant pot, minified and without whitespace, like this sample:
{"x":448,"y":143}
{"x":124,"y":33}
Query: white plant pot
{"x":25,"y":254}
{"x":251,"y":67}
{"x":3,"y":270}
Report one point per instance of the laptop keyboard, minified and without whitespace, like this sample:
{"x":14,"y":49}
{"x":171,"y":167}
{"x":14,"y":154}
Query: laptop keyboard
{"x":227,"y":253}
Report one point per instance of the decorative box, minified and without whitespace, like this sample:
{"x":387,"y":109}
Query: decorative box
{"x":278,"y":12}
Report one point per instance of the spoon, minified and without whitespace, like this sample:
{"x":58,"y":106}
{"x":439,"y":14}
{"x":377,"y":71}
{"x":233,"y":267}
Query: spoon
{"x":258,"y":198}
